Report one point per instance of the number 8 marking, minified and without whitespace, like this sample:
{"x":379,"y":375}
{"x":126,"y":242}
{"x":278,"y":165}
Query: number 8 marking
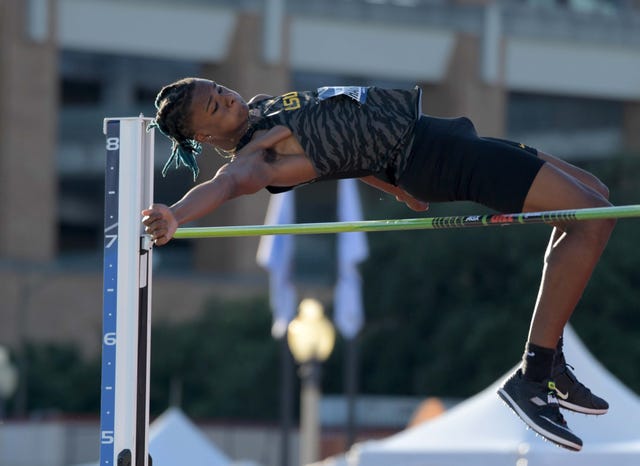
{"x":113,"y":143}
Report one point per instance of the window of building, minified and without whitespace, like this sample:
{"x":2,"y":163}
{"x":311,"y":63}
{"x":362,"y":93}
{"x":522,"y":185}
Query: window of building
{"x":94,"y":86}
{"x":75,"y":91}
{"x":571,"y":127}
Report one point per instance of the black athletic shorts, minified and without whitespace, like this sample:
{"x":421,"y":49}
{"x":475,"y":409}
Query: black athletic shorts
{"x":450,"y":162}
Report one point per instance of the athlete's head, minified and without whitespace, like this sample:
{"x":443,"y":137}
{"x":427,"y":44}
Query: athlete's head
{"x":192,"y":112}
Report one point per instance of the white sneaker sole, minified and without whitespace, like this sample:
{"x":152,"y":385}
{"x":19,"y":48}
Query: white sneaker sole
{"x":580,"y":409}
{"x":560,"y":441}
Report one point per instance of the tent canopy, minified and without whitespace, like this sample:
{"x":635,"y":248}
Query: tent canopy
{"x":174,"y":439}
{"x":482,"y":431}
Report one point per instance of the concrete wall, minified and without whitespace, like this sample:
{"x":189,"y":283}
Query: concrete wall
{"x":28,"y":123}
{"x":556,"y":54}
{"x":69,"y":443}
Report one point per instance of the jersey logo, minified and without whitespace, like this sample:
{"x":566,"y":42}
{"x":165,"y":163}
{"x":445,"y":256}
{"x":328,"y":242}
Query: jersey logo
{"x":291,"y":101}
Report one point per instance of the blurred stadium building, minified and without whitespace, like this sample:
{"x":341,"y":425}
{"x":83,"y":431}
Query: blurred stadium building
{"x":563,"y":75}
{"x":560,"y":75}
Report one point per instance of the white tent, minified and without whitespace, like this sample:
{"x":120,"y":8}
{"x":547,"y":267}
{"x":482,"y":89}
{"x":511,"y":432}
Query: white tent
{"x":483,"y":431}
{"x":175,"y":440}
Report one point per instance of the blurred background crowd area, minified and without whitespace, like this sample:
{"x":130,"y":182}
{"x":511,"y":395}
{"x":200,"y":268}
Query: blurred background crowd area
{"x":559,"y":75}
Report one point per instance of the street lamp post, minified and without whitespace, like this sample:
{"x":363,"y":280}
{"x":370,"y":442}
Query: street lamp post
{"x":311,"y":338}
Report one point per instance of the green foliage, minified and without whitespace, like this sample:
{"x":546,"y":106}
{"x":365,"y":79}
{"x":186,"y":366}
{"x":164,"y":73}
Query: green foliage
{"x":454,"y":304}
{"x":59,"y":380}
{"x":226,"y":362}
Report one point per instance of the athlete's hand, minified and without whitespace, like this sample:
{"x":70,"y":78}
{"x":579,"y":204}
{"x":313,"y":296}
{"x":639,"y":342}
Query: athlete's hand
{"x":160,"y":223}
{"x":412,"y":202}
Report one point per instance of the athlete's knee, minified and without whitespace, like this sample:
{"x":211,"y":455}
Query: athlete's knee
{"x":598,"y":186}
{"x":595,"y":232}
{"x":602,"y":228}
{"x":603,"y":189}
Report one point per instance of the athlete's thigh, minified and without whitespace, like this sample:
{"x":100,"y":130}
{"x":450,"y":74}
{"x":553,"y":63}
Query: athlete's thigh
{"x":556,"y":189}
{"x":581,"y":175}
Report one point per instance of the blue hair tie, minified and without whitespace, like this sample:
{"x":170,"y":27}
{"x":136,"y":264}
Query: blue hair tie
{"x":182,"y":153}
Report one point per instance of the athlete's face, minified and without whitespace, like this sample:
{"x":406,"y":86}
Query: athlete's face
{"x":219,"y":116}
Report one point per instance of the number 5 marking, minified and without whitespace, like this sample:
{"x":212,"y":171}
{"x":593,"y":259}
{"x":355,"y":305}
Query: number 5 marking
{"x":106,"y":437}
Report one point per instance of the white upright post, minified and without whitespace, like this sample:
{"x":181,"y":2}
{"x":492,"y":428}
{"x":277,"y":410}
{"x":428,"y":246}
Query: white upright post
{"x":124,"y":411}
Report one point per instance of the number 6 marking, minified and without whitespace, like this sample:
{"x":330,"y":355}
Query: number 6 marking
{"x":110,"y":338}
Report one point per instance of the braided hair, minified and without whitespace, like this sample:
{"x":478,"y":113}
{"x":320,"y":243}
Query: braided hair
{"x":173,"y":103}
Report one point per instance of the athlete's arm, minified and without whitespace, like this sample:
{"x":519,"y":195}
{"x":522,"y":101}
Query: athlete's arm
{"x":400,"y":194}
{"x":251,"y":169}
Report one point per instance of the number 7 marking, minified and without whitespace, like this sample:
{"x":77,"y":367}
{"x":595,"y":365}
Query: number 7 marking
{"x":112,"y":238}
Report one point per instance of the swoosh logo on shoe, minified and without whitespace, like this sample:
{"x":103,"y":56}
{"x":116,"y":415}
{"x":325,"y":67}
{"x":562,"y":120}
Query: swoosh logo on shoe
{"x":564,"y":396}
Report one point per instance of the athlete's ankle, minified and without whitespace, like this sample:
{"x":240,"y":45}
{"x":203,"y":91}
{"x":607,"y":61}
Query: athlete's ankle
{"x":537,"y":362}
{"x":559,"y":361}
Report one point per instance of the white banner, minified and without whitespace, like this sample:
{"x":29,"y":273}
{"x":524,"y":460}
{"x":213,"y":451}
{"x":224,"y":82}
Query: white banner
{"x":275,"y":253}
{"x":352,"y":249}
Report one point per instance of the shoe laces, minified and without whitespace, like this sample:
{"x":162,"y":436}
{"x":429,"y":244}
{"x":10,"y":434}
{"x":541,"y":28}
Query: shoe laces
{"x":577,"y":385}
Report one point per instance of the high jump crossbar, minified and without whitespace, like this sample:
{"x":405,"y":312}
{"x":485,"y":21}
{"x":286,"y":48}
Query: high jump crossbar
{"x":126,"y":337}
{"x":427,"y":223}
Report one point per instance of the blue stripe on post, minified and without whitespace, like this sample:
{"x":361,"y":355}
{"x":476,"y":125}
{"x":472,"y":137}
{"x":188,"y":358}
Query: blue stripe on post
{"x":110,"y":293}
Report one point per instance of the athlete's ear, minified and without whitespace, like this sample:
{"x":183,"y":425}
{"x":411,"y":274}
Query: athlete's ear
{"x":201,"y":137}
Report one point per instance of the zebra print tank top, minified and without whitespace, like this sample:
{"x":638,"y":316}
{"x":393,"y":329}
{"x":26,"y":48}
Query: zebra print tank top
{"x":347,"y":132}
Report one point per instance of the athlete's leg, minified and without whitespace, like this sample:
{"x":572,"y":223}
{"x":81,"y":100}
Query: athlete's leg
{"x":573,"y":394}
{"x":573,"y":252}
{"x":574,"y":249}
{"x":586,"y":178}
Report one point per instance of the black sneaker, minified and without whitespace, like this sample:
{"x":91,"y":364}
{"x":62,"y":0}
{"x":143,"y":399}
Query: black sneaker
{"x":536,"y":404}
{"x":573,"y":395}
